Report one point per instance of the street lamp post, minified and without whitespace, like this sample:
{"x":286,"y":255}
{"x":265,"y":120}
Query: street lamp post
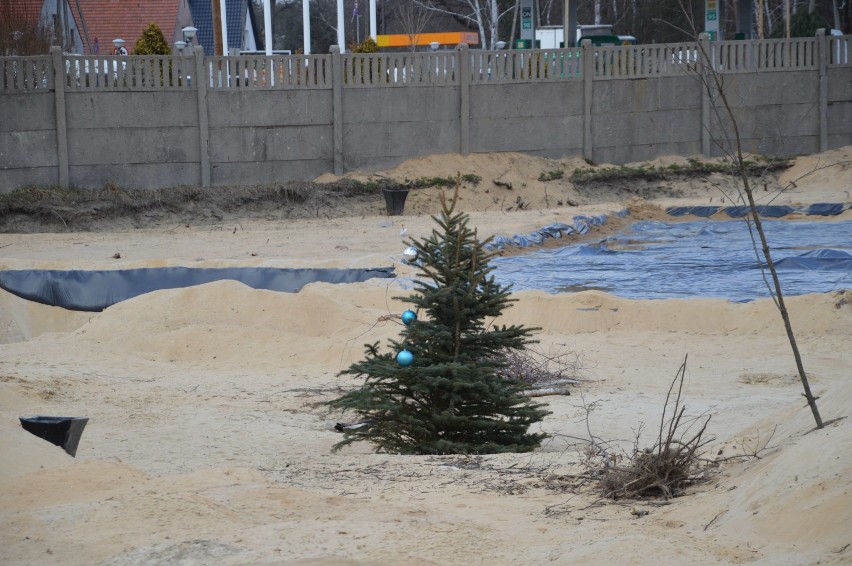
{"x":189,"y":33}
{"x":118,"y":43}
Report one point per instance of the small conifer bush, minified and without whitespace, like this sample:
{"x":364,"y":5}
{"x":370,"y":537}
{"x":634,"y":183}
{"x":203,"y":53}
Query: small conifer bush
{"x":451,"y":399}
{"x":152,"y":42}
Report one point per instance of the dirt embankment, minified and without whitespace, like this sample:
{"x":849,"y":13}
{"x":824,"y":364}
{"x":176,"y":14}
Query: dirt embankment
{"x":487,"y":182}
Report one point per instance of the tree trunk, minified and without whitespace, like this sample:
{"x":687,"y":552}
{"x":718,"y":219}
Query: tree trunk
{"x":739,"y":161}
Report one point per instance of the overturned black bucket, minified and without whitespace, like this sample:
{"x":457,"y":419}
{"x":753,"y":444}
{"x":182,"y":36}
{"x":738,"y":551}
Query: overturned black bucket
{"x":395,"y":200}
{"x":61,"y":431}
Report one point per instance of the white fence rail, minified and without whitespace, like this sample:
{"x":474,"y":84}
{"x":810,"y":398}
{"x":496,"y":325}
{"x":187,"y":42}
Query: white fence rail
{"x":397,"y":69}
{"x":766,"y":55}
{"x":369,"y":70}
{"x":136,"y":72}
{"x":839,"y":48}
{"x":262,"y":72}
{"x":529,"y":65}
{"x":26,"y":73}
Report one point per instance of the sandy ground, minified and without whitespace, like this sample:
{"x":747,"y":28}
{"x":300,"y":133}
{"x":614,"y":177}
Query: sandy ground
{"x":206,"y":443}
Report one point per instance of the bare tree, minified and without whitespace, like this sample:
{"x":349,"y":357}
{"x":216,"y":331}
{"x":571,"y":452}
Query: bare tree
{"x":414,"y":19}
{"x":730,"y":144}
{"x":483,"y":15}
{"x":20,"y":35}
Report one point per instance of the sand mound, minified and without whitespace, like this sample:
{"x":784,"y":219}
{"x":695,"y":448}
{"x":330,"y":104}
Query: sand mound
{"x":226,"y":322}
{"x":208,"y":442}
{"x":820,"y":178}
{"x":25,"y":453}
{"x":22,"y":320}
{"x":594,"y":311}
{"x":795,"y":491}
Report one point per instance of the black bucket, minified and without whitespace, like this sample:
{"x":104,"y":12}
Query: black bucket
{"x":61,"y":431}
{"x":395,"y":200}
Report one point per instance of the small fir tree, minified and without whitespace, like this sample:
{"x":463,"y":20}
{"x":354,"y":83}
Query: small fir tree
{"x":451,"y":398}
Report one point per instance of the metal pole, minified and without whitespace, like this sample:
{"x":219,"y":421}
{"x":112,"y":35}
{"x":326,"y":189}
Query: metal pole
{"x":267,"y":25}
{"x":569,"y":24}
{"x":341,"y":23}
{"x":373,"y":26}
{"x":59,"y":28}
{"x":787,"y":17}
{"x":223,"y":15}
{"x":306,"y":26}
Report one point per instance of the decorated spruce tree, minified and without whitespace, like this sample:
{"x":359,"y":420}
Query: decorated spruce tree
{"x":438,"y":389}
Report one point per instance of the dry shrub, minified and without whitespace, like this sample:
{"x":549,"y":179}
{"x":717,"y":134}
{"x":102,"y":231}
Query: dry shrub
{"x":672,"y":464}
{"x":548,"y":372}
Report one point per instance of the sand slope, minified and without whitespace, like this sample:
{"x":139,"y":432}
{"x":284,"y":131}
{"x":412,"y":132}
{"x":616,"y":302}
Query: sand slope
{"x":207,"y":443}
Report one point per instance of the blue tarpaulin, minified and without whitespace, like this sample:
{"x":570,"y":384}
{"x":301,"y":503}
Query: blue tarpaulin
{"x":557,"y":230}
{"x":96,"y":290}
{"x":703,"y":211}
{"x":768,"y":211}
{"x":582,"y":223}
{"x":657,"y":260}
{"x":825,"y":209}
{"x":764,"y":210}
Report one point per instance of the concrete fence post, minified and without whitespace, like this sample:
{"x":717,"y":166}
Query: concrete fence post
{"x":705,"y":61}
{"x":463,"y":53}
{"x":337,"y":107}
{"x":822,"y":87}
{"x":588,"y":61}
{"x":61,"y":124}
{"x":203,"y":117}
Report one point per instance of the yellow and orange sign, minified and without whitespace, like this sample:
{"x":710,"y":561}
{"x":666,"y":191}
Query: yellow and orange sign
{"x":443,"y":38}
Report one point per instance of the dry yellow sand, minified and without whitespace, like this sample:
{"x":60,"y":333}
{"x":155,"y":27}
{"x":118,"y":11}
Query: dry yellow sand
{"x":206,"y":445}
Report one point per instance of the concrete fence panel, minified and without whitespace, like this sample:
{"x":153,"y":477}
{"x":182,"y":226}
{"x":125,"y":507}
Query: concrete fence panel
{"x":159,"y":121}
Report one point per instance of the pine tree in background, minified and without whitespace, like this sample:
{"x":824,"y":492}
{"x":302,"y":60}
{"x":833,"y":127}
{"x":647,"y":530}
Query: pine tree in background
{"x":450,"y":400}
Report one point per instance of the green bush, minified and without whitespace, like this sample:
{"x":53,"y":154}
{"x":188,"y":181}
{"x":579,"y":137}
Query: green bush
{"x":366,"y":46}
{"x":545,"y":176}
{"x":152,"y":42}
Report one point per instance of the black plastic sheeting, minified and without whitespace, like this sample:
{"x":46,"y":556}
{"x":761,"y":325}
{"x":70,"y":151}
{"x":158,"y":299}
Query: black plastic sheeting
{"x":581,"y":225}
{"x":764,"y":210}
{"x":96,"y":290}
{"x":658,"y":260}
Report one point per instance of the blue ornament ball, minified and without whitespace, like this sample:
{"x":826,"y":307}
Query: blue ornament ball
{"x":408,"y":317}
{"x":405,"y":358}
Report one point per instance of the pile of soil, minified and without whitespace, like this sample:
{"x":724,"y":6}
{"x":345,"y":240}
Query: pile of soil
{"x":487,"y":182}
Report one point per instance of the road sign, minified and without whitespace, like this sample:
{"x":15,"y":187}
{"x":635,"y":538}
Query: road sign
{"x":527,"y":20}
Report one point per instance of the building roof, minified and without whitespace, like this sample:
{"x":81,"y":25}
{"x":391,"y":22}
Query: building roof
{"x":43,"y":13}
{"x":106,"y":20}
{"x":27,"y":10}
{"x":202,"y":17}
{"x":126,"y":19}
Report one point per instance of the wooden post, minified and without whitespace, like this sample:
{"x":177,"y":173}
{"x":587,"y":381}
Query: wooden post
{"x":200,"y":81}
{"x":705,"y":68}
{"x":337,"y":110}
{"x":61,"y":123}
{"x":588,"y":74}
{"x":822,"y":86}
{"x":463,"y":54}
{"x":217,"y":28}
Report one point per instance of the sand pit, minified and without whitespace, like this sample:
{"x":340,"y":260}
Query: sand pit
{"x":206,"y":443}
